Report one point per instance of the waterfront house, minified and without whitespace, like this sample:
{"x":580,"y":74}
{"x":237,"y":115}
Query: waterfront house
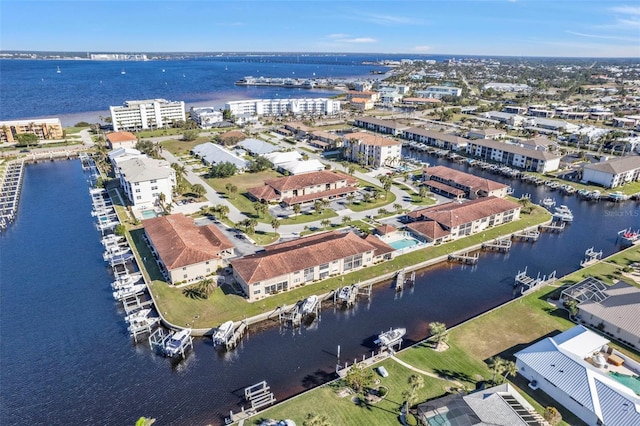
{"x":613,"y":173}
{"x":185,"y":252}
{"x":305,"y":188}
{"x":284,"y":266}
{"x":43,"y":128}
{"x":146,"y":114}
{"x":143,"y":179}
{"x":513,"y":155}
{"x":575,"y":368}
{"x":206,"y":117}
{"x":500,"y":405}
{"x":454,"y":220}
{"x":456,"y":184}
{"x":613,"y":309}
{"x":117,"y":140}
{"x":372,"y":150}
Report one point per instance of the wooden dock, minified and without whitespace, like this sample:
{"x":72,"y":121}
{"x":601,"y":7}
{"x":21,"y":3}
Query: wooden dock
{"x":591,"y":257}
{"x":292,"y":317}
{"x":553,"y":227}
{"x":234,"y":339}
{"x":528,"y":283}
{"x":465,"y":258}
{"x":10,"y":186}
{"x":530,"y":235}
{"x":258,"y":396}
{"x":499,"y":244}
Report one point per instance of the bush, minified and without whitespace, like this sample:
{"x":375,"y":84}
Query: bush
{"x":411,"y":420}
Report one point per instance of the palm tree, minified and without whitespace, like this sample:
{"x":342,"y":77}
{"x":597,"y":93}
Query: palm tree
{"x":325,"y":223}
{"x":510,"y":369}
{"x":439,"y":332}
{"x":198,"y":190}
{"x":346,"y":219}
{"x":423,"y":191}
{"x":296,"y":208}
{"x":222,"y":210}
{"x":317,"y":205}
{"x":350,"y":198}
{"x":313,"y":419}
{"x":397,"y":207}
{"x":275,"y":223}
{"x":496,"y":364}
{"x":206,"y":287}
{"x":415,"y":383}
{"x":233,"y":191}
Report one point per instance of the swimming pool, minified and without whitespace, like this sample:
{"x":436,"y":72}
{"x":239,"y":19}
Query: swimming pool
{"x":632,"y":382}
{"x":148,"y":214}
{"x":404,"y":243}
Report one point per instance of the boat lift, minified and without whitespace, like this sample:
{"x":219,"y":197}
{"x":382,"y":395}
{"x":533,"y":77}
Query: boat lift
{"x":591,"y":257}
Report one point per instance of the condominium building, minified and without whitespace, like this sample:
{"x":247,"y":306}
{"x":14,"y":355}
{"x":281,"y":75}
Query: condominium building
{"x":276,"y":107}
{"x":186,"y":252}
{"x":378,"y":125}
{"x":143,"y":179}
{"x":433,"y":138}
{"x":43,"y":128}
{"x":284,"y":266}
{"x":439,"y":91}
{"x":146,"y":114}
{"x":613,"y":173}
{"x":206,"y":117}
{"x":513,"y":155}
{"x":456,"y":184}
{"x":372,"y":150}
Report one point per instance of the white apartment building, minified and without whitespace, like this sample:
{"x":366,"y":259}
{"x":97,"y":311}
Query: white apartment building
{"x":373,"y":150}
{"x":513,"y":155}
{"x":146,"y":114}
{"x":284,"y":106}
{"x":439,"y":91}
{"x":143,"y":179}
{"x":206,"y":117}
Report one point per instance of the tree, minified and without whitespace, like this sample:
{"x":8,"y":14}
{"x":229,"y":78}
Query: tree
{"x":439,"y":332}
{"x":415,"y":383}
{"x":275,"y":223}
{"x":148,"y":147}
{"x":397,"y":207}
{"x":572,"y":307}
{"x":552,"y":415}
{"x":312,"y":419}
{"x":222,"y":170}
{"x":423,"y":191}
{"x":510,"y":369}
{"x":259,"y":164}
{"x":317,"y":205}
{"x":233,"y":191}
{"x":206,"y":287}
{"x":198,"y":190}
{"x":325,"y":223}
{"x":296,"y":208}
{"x":26,"y":139}
{"x":226,"y":114}
{"x":346,"y":219}
{"x":383,"y":212}
{"x":359,"y":377}
{"x":190,"y":135}
{"x":525,"y":202}
{"x":260,"y":208}
{"x":120,"y":230}
{"x":386,"y":182}
{"x":496,"y":364}
{"x":350,"y":198}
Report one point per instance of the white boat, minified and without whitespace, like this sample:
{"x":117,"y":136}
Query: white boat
{"x":563,"y":213}
{"x":390,"y":337}
{"x":617,"y":196}
{"x":142,"y":324}
{"x":111,"y":239}
{"x":222,"y":334}
{"x":125,"y":281}
{"x":116,"y":252}
{"x":138,"y":315}
{"x":123,"y":72}
{"x":309,"y":304}
{"x":548,"y":203}
{"x":174,"y":345}
{"x":58,"y":70}
{"x":129,"y":291}
{"x":344,"y":293}
{"x":97,"y":191}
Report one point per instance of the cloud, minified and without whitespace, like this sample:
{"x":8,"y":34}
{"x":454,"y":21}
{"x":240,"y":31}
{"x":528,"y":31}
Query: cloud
{"x":422,"y":48}
{"x":600,"y":36}
{"x":387,"y":20}
{"x":347,"y":38}
{"x":628,"y":10}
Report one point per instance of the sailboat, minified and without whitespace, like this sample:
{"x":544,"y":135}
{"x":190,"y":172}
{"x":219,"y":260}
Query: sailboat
{"x":123,"y":71}
{"x":58,"y":71}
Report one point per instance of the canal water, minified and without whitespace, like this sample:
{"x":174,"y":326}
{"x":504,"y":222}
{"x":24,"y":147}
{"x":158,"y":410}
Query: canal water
{"x":66,"y":357}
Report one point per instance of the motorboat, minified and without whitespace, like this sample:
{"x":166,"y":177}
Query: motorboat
{"x":138,"y":315}
{"x":222,"y":334}
{"x":115,"y":252}
{"x":344,"y":293}
{"x":390,"y":337}
{"x":563,"y":213}
{"x":628,"y":236}
{"x":125,"y":281}
{"x":617,"y":196}
{"x":123,"y":293}
{"x":309,"y":304}
{"x":176,"y":341}
{"x":548,"y":203}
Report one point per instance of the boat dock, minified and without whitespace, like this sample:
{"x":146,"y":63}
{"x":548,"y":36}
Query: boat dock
{"x":235,"y":337}
{"x":529,"y":283}
{"x":499,"y":244}
{"x":259,"y":396}
{"x":591,"y":257}
{"x":292,"y":317}
{"x":401,"y":279}
{"x":160,"y":340}
{"x":556,"y":226}
{"x":10,"y":186}
{"x":465,"y":258}
{"x":530,"y":235}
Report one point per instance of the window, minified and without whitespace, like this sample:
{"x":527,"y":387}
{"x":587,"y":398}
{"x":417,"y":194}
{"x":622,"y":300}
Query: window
{"x":256,"y":291}
{"x":184,"y":276}
{"x":138,"y":190}
{"x":153,"y":181}
{"x":153,"y":188}
{"x":139,"y":197}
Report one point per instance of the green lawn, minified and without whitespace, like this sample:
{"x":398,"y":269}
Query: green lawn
{"x":73,"y":130}
{"x":179,"y":147}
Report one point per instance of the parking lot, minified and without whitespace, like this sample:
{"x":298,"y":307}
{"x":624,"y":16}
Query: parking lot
{"x":243,"y":246}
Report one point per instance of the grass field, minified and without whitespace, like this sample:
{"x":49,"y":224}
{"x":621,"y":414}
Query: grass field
{"x":179,"y":147}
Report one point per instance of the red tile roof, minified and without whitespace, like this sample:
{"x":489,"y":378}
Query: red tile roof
{"x":179,"y":242}
{"x":381,"y":246}
{"x":445,"y":188}
{"x":297,"y":255}
{"x":429,"y":228}
{"x":121,"y":137}
{"x":371,"y":139}
{"x":386,"y":229}
{"x":474,"y":183}
{"x":321,"y":177}
{"x":320,"y":195}
{"x":264,"y":193}
{"x":456,"y":214}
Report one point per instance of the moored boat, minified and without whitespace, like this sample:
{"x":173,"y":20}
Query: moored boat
{"x":391,"y":337}
{"x":137,"y":315}
{"x":548,"y":203}
{"x":222,"y":334}
{"x":309,"y":304}
{"x":176,"y":342}
{"x":125,"y":292}
{"x":617,"y":196}
{"x":344,"y":293}
{"x":563,"y":213}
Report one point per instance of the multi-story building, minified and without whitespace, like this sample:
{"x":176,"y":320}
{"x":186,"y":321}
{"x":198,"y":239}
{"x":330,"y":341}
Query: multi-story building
{"x":513,"y":155}
{"x":184,"y":251}
{"x":283,"y":266}
{"x":43,"y":128}
{"x":305,"y":188}
{"x":206,"y":117}
{"x":276,"y":107}
{"x":613,"y":173}
{"x":439,"y":91}
{"x":453,"y":220}
{"x":143,"y":179}
{"x":117,"y":140}
{"x":448,"y":182}
{"x":146,"y":114}
{"x":433,"y":138}
{"x":372,"y":150}
{"x":378,"y":125}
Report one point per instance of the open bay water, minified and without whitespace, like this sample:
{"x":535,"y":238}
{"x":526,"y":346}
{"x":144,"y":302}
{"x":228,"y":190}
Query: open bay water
{"x":84,"y":89}
{"x":66,"y":358}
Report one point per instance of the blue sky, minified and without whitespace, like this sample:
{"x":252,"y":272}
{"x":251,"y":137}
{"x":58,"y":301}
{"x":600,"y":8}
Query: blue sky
{"x":475,"y":27}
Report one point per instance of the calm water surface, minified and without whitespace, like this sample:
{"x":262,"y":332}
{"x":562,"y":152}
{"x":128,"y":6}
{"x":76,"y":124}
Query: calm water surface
{"x":66,"y":357}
